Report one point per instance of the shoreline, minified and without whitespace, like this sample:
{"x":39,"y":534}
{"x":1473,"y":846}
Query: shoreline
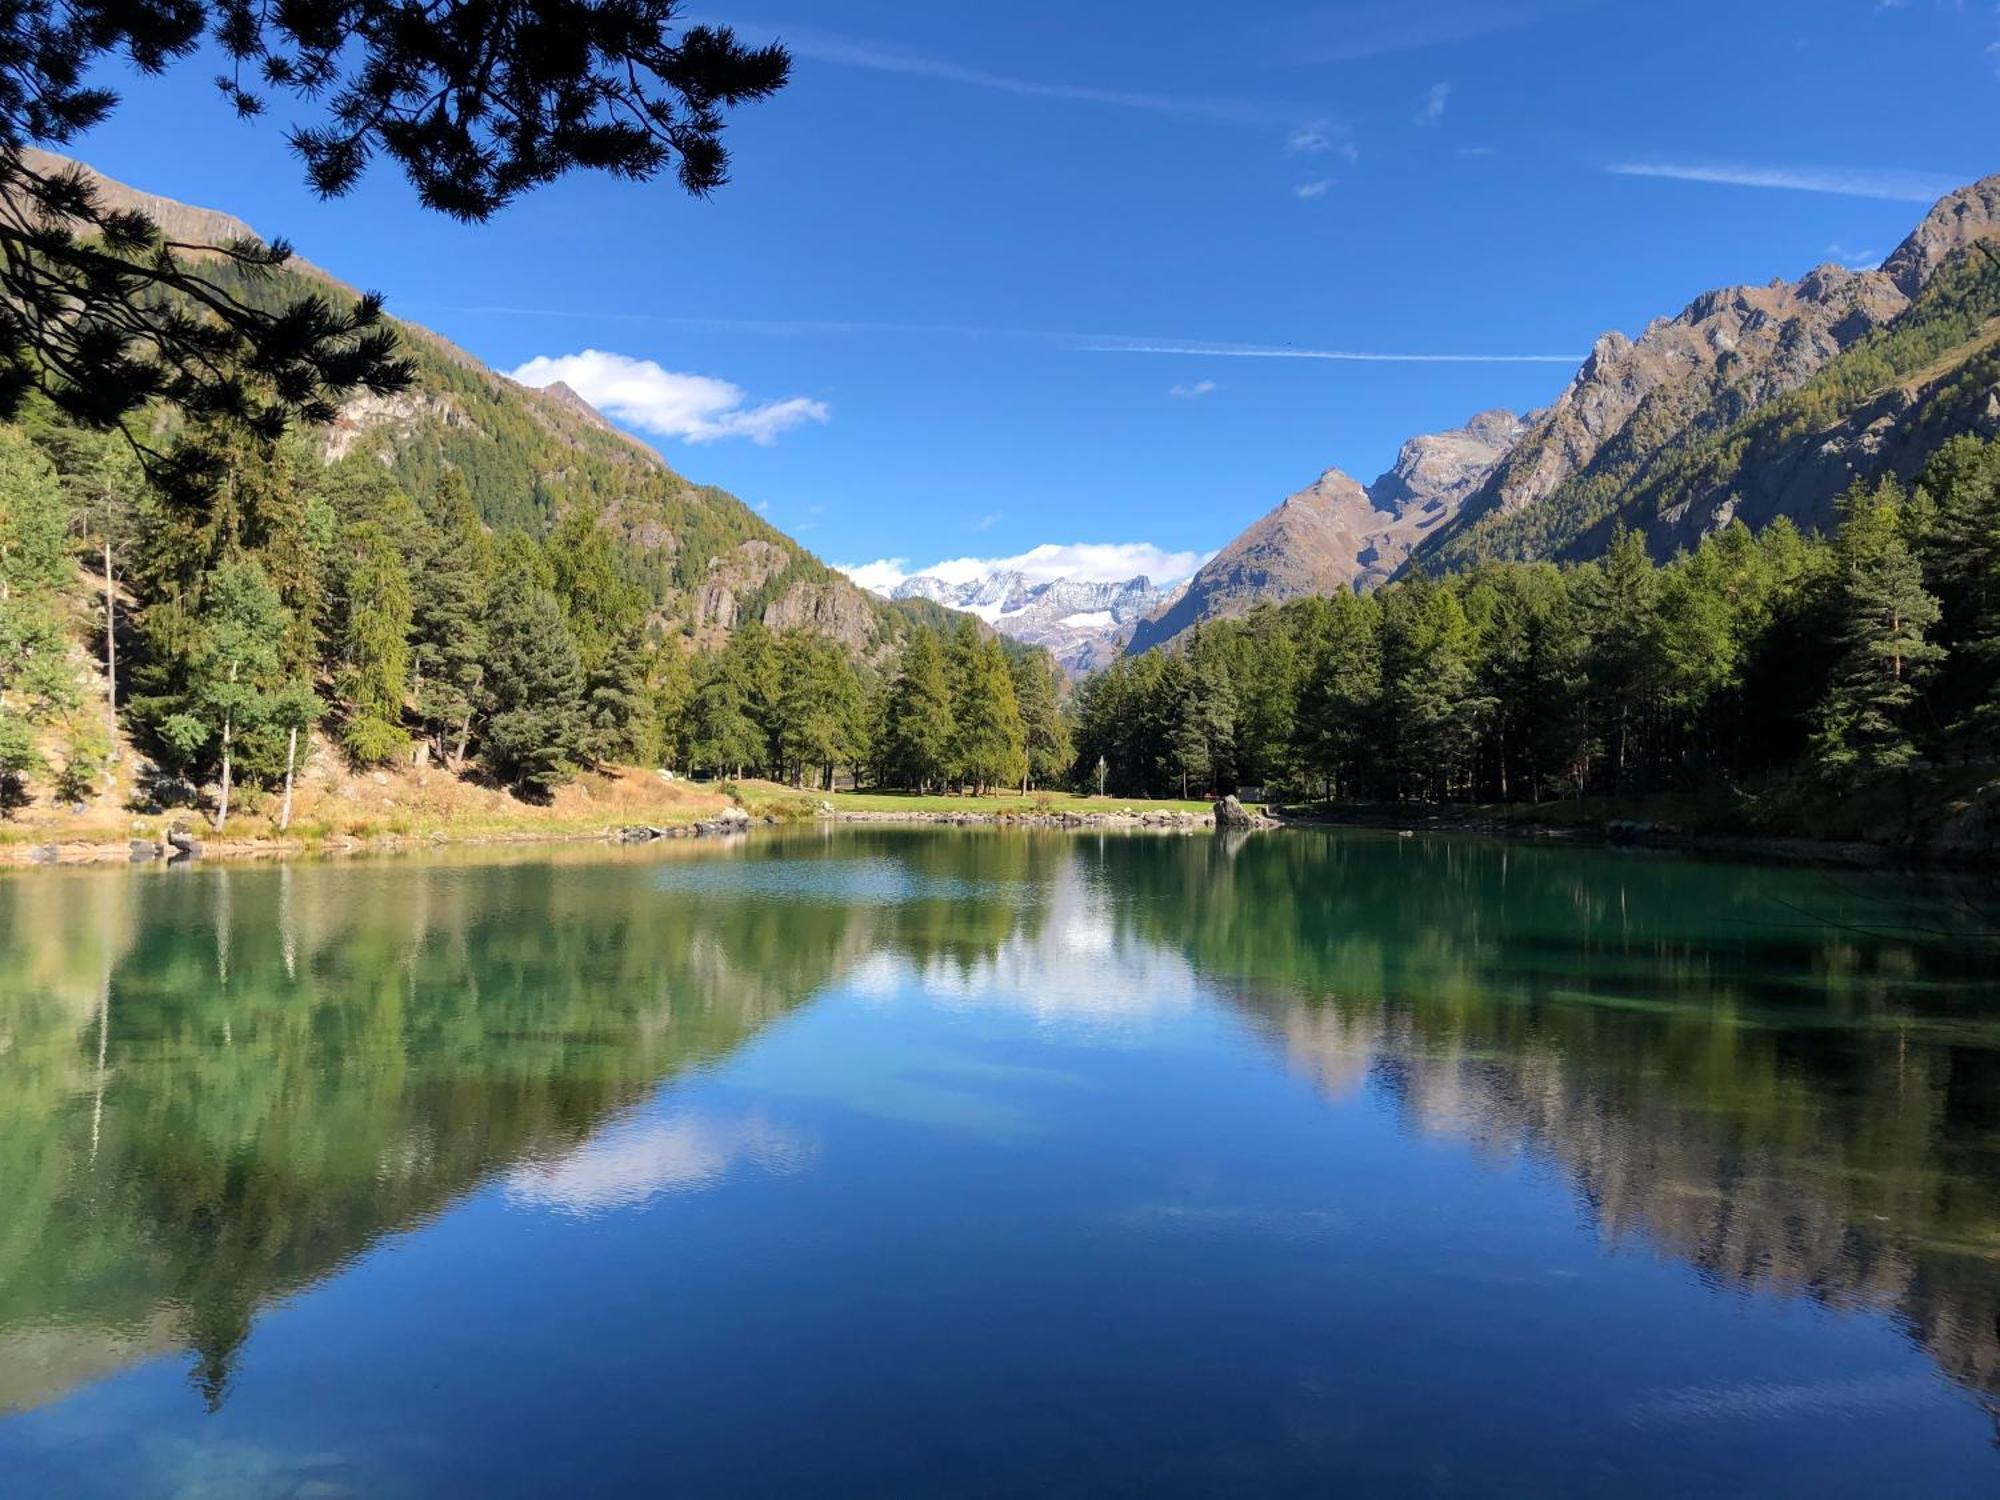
{"x":736,"y":822}
{"x":1632,"y":834}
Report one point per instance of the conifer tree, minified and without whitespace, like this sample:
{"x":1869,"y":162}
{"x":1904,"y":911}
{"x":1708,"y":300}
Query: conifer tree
{"x":987,"y":746}
{"x":532,"y":736}
{"x":919,"y":727}
{"x":449,"y":582}
{"x":1621,"y":605}
{"x":1884,"y":617}
{"x":1337,"y":703}
{"x":376,"y":621}
{"x":723,"y":733}
{"x":1046,"y":740}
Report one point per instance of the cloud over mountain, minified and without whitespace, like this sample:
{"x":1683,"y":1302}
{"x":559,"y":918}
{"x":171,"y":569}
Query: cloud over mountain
{"x":693,"y":408}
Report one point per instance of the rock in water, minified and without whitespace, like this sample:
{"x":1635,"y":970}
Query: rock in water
{"x":1229,"y":813}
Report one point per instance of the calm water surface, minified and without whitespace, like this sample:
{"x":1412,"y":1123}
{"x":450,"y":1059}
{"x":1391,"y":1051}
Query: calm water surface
{"x":876,"y":1162}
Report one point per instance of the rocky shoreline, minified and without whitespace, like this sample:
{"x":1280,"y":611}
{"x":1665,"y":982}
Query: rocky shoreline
{"x":1228,"y":813}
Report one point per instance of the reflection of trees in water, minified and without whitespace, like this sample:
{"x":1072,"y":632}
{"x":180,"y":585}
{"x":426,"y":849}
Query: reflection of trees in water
{"x":298,"y":1061}
{"x":1740,"y":1066}
{"x":1788,"y":1079}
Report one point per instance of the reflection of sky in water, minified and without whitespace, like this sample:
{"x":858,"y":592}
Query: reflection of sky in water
{"x":851,"y":882}
{"x":629,"y":1164}
{"x":1072,"y":965}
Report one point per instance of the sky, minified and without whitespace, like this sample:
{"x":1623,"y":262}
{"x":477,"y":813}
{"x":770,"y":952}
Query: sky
{"x":1091,"y":287}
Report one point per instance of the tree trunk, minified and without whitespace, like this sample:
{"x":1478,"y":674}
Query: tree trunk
{"x":464,"y":738}
{"x":228,"y":737}
{"x":291,"y":761}
{"x":110,"y":653}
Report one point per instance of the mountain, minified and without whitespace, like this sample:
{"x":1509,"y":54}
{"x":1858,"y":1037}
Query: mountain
{"x":1083,"y":624}
{"x":1753,"y":402}
{"x":707,"y":562}
{"x":1338,"y":534}
{"x":1654,"y":431}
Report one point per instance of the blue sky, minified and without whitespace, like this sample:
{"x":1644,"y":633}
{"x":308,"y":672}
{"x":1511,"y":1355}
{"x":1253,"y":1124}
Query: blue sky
{"x":993,"y":278}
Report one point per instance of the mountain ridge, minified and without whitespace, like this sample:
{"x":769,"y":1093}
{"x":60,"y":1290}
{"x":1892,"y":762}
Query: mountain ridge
{"x":1752,"y":402}
{"x":1337,"y":533}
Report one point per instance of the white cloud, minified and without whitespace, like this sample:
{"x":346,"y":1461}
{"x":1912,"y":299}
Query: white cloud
{"x":1893,"y":183}
{"x":693,"y":408}
{"x":1434,"y":103}
{"x":1092,"y":562}
{"x":988,"y":521}
{"x":852,"y":52}
{"x":877,"y":577}
{"x":1859,"y":260}
{"x":1194,"y":390}
{"x":1475,"y":151}
{"x":1317,"y":188}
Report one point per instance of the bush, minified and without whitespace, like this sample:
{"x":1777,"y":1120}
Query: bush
{"x":18,"y":757}
{"x":370,"y":741}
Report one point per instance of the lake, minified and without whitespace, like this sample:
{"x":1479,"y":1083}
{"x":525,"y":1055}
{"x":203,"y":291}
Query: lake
{"x":883,"y":1161}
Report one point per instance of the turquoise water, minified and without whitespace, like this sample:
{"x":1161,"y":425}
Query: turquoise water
{"x":880,"y":1161}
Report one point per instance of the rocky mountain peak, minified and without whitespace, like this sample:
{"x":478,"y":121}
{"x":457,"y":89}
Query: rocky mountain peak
{"x":1083,"y":622}
{"x":1958,"y":219}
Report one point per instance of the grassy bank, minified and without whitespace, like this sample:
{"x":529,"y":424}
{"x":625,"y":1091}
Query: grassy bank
{"x":769,"y":799}
{"x":335,"y":808}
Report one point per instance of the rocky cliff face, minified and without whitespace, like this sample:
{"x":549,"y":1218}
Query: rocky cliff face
{"x":1686,"y":378}
{"x":1336,"y":534}
{"x":1083,"y":623}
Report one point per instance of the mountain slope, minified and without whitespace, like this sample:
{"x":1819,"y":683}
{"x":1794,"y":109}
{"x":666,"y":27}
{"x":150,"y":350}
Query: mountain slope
{"x":1336,"y":534}
{"x":706,"y":560}
{"x":1619,"y":430}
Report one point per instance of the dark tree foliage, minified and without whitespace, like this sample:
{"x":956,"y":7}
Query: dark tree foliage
{"x":1773,"y":662}
{"x":477,"y":101}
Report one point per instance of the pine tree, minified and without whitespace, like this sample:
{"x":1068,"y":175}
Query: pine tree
{"x":533,"y":729}
{"x":1428,"y":706}
{"x":988,"y":745}
{"x":376,"y":621}
{"x":919,"y":727}
{"x":449,"y":582}
{"x":1212,"y":715}
{"x":1884,"y":616}
{"x":723,"y":733}
{"x":1338,"y":700}
{"x":820,"y":711}
{"x":602,"y":607}
{"x":1622,"y":612}
{"x":1046,"y":741}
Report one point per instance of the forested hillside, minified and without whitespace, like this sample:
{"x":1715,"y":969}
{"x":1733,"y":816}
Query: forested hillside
{"x":1778,"y":661}
{"x":468,"y":574}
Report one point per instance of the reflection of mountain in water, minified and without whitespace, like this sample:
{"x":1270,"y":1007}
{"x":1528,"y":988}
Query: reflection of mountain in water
{"x":1808,"y":1107}
{"x":220,"y":1086}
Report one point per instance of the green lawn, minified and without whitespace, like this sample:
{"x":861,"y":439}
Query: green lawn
{"x":768,"y":797}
